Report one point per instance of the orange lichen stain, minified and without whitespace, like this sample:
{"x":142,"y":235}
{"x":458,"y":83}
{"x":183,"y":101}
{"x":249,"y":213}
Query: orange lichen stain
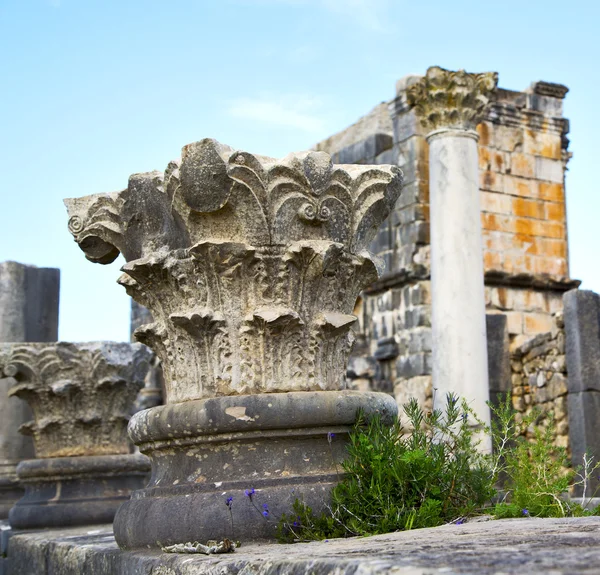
{"x":492,"y":260}
{"x":555,"y":212}
{"x":522,"y":165}
{"x":488,"y":179}
{"x":552,"y":150}
{"x":537,"y":323}
{"x":529,"y":244}
{"x":485,"y":162}
{"x":528,"y":208}
{"x":523,"y":226}
{"x":551,"y":192}
{"x":502,"y":299}
{"x":484,"y":134}
{"x":499,"y":161}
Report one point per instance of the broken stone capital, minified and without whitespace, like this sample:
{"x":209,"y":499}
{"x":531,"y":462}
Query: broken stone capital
{"x":447,"y":100}
{"x":82,"y":397}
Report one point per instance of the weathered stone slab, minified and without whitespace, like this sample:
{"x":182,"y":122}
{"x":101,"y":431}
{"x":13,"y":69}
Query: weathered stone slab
{"x":584,"y":432}
{"x":582,"y":328}
{"x":498,"y":356}
{"x":28,"y":302}
{"x":531,"y":546}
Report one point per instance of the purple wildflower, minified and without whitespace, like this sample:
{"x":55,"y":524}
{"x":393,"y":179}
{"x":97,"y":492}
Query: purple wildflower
{"x":229,"y":501}
{"x":249,"y":492}
{"x":525,"y":512}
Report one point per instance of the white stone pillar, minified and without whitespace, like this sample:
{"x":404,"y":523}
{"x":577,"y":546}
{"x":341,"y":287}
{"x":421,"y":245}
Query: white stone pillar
{"x":450,"y":105}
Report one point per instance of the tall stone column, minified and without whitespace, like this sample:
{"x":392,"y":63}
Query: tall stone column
{"x":449,"y":106}
{"x":81,"y":396}
{"x":250,"y":267}
{"x":28,"y":312}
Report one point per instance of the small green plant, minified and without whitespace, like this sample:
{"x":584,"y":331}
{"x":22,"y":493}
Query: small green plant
{"x":534,"y":471}
{"x":396,"y":478}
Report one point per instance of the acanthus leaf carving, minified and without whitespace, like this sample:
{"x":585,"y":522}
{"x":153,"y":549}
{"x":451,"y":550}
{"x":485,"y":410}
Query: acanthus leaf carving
{"x":444,"y":99}
{"x":81,"y":395}
{"x":250,"y":266}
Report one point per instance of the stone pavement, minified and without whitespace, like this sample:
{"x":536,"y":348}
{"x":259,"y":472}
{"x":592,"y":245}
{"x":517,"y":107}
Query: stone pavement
{"x":529,"y":546}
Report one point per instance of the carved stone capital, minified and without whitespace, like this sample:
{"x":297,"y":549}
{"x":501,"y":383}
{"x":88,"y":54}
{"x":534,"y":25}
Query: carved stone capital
{"x":443,"y":99}
{"x":81,"y":395}
{"x":250,"y":266}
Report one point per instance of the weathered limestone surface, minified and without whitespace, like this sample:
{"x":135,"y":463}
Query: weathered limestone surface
{"x":499,"y":369}
{"x":250,"y":267}
{"x":28,"y":303}
{"x":449,"y":106}
{"x":152,"y":393}
{"x":81,"y":396}
{"x":582,"y":327}
{"x":246,"y":263}
{"x":532,"y":546}
{"x":14,"y":446}
{"x":28,"y":312}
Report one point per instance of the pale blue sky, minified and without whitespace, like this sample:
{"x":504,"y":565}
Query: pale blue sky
{"x":94,"y":90}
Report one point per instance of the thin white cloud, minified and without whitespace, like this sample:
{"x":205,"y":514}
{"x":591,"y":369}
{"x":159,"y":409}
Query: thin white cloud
{"x":297,"y":111}
{"x":372,"y":15}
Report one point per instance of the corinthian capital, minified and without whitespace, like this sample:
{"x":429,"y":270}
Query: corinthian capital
{"x":249,"y":265}
{"x":455,"y":100}
{"x":81,"y":394}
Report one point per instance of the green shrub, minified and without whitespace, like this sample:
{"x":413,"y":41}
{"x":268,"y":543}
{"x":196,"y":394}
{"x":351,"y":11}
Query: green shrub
{"x":535,"y":472}
{"x":398,"y":479}
{"x":433,"y":473}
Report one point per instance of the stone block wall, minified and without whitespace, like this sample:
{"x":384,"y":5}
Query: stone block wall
{"x":539,"y":378}
{"x":522,"y":159}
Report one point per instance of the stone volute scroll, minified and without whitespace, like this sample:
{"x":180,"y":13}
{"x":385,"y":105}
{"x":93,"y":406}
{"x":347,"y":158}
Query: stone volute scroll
{"x":250,"y":267}
{"x":81,"y":396}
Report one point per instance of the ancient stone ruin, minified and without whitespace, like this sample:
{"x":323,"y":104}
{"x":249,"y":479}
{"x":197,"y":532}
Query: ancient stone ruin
{"x":28,"y":312}
{"x":248,"y":274}
{"x":250,"y":267}
{"x":81,"y":396}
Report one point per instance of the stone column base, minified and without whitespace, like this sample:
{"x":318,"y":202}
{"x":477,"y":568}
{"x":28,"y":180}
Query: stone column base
{"x":69,"y":491}
{"x":10,"y":490}
{"x":264,"y":451}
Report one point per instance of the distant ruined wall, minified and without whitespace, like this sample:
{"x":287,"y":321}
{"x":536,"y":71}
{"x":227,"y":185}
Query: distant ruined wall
{"x":539,"y":378}
{"x":523,"y":153}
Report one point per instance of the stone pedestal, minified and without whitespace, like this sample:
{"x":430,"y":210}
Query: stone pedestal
{"x":82,"y":397}
{"x":282,"y":446}
{"x":250,"y":267}
{"x":449,"y":106}
{"x":28,"y":312}
{"x":69,"y":491}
